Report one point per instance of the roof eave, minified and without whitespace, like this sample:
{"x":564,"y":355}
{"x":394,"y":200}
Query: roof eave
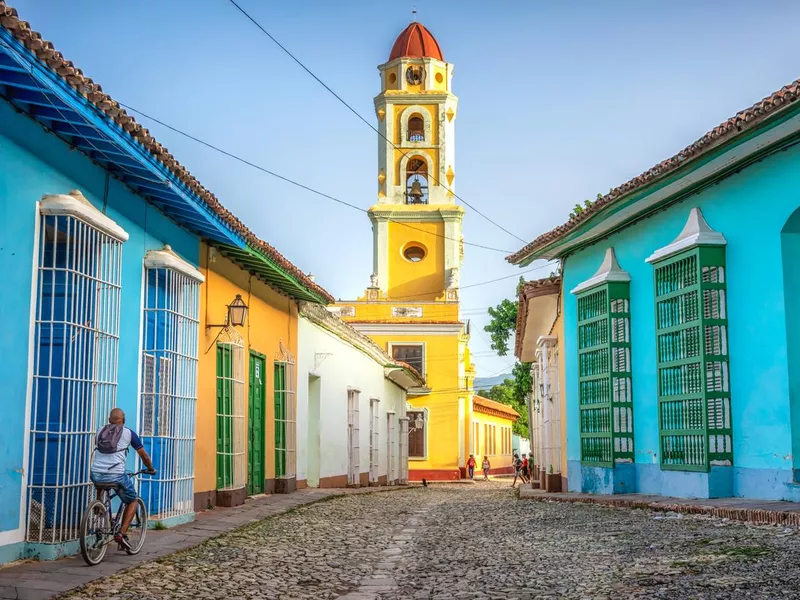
{"x":47,"y":80}
{"x":785,"y":117}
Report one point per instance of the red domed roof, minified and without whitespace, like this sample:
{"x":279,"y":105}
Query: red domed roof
{"x":417,"y":42}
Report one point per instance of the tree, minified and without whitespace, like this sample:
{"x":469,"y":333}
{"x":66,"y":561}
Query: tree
{"x":513,"y":392}
{"x":508,"y":393}
{"x":503,"y":323}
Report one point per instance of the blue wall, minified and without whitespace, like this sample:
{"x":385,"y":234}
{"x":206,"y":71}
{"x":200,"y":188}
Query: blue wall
{"x":35,"y":163}
{"x":751,"y":209}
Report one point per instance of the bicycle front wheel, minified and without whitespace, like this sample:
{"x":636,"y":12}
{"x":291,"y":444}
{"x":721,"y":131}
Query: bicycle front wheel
{"x":138,"y":528}
{"x":95,"y":532}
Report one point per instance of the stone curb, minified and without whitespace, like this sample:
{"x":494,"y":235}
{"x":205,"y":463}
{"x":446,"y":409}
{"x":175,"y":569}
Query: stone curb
{"x":755,"y":516}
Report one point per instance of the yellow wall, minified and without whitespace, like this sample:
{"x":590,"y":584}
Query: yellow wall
{"x":271,"y":318}
{"x":423,"y":280}
{"x":498,"y":459}
{"x":441,"y":372}
{"x":382,"y":311}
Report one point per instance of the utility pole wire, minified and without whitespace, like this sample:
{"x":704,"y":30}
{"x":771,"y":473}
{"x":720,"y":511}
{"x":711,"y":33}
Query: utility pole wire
{"x":361,"y":118}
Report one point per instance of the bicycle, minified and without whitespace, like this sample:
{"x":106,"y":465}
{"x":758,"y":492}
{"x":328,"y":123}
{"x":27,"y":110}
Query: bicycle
{"x":98,"y":528}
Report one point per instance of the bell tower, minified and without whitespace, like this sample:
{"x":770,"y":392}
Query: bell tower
{"x":416,"y":224}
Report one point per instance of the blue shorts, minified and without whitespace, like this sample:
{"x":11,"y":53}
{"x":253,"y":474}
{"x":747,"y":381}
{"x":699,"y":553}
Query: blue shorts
{"x":125,"y":488}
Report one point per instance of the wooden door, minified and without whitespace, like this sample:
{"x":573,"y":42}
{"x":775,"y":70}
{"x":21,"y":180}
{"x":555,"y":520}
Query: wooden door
{"x":255,"y":412}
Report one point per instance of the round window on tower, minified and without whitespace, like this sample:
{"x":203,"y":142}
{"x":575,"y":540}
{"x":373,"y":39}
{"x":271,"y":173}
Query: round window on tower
{"x":392,"y":78}
{"x":439,"y":78}
{"x":414,"y":252}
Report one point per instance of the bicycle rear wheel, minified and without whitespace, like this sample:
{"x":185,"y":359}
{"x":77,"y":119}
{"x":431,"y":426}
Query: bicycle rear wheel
{"x":138,"y":528}
{"x":95,"y":531}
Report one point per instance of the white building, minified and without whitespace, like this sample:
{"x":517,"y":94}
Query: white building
{"x":352,"y":427}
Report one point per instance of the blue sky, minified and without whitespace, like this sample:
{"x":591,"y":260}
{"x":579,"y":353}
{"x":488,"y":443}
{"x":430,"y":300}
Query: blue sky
{"x":558,"y":100}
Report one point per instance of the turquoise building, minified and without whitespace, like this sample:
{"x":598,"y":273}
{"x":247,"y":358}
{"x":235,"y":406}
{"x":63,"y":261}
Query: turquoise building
{"x":682,"y":318}
{"x":99,"y":242}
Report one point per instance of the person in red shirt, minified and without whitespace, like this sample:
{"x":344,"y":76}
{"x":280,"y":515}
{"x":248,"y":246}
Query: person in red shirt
{"x":524,"y":474}
{"x":471,"y":466}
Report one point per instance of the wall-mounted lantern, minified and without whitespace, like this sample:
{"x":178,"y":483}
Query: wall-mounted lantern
{"x":237,"y":313}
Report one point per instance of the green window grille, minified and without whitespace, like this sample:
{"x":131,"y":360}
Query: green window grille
{"x":694,"y":401}
{"x":605,"y":395}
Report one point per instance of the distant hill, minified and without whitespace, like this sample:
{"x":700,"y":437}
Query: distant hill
{"x":485,"y":383}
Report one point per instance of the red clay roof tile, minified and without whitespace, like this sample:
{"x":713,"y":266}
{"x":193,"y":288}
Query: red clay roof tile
{"x":723,"y":132}
{"x":93,"y":92}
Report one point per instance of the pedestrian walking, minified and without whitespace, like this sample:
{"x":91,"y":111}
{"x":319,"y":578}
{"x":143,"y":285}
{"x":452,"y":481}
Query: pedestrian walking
{"x":517,"y":464}
{"x":524,"y":474}
{"x":471,"y":466}
{"x":486,"y":466}
{"x":530,"y":467}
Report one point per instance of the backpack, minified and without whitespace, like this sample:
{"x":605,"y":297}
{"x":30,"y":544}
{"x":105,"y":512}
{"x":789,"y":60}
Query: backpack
{"x":108,"y":438}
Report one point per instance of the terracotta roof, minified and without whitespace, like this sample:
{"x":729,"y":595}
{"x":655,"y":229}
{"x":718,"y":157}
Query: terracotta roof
{"x":481,"y":404}
{"x":91,"y":91}
{"x":416,"y":41}
{"x":532,"y":289}
{"x":740,"y":122}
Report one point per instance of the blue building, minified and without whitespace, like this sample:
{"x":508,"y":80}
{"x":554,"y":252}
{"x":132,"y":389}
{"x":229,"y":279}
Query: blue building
{"x":681,"y":323}
{"x":99,"y":286}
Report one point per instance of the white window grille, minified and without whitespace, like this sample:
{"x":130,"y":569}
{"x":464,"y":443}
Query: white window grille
{"x":169,"y":393}
{"x":391,"y":442}
{"x":374,"y":440}
{"x":285,"y":415}
{"x":147,"y":425}
{"x":403,"y":439}
{"x":74,"y":378}
{"x":231,"y":471}
{"x":353,"y":447}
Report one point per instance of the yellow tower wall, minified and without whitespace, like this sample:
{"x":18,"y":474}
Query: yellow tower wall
{"x":271,"y":318}
{"x":423,"y":280}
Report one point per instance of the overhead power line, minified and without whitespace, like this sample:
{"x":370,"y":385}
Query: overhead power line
{"x":472,"y":285}
{"x":361,"y":118}
{"x":249,"y":163}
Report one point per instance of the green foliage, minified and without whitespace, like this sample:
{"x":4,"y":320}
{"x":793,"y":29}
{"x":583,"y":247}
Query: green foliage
{"x":159,"y":526}
{"x":579,"y":208}
{"x":502,"y":325}
{"x":514,"y":391}
{"x":508,"y":393}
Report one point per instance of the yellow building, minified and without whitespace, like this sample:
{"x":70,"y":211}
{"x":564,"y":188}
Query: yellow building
{"x":246,"y":397}
{"x":492,"y":431}
{"x":411,"y":308}
{"x":539,"y":341}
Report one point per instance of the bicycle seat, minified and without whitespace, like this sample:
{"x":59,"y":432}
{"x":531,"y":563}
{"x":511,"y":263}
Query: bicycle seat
{"x":106,"y":486}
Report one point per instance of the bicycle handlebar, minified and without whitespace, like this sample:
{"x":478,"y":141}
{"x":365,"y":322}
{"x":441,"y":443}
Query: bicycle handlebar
{"x":143,"y":471}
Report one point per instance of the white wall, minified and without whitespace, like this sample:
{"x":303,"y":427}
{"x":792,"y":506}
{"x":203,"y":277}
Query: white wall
{"x":339,"y":367}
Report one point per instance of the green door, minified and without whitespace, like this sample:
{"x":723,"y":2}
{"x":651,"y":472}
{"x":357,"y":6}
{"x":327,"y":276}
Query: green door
{"x":255,"y":411}
{"x":224,"y":416}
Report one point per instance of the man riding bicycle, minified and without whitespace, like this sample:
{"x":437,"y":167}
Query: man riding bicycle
{"x":108,"y":466}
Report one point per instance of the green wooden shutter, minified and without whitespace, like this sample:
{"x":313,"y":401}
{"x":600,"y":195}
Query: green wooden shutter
{"x":280,"y":420}
{"x":605,"y":393}
{"x":694,"y":402}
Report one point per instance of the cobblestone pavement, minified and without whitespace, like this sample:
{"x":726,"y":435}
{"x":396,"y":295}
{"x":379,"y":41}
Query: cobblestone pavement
{"x":472,"y":541}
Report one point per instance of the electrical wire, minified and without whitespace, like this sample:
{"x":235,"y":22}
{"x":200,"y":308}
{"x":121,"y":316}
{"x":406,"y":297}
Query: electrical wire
{"x":361,"y":118}
{"x":294,"y":182}
{"x":472,"y":285}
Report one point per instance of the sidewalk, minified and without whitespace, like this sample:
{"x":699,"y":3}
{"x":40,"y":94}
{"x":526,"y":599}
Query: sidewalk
{"x":34,"y":580}
{"x":757,"y":512}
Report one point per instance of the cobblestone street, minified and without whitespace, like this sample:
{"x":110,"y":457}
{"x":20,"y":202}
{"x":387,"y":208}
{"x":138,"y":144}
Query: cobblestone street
{"x":472,"y":541}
